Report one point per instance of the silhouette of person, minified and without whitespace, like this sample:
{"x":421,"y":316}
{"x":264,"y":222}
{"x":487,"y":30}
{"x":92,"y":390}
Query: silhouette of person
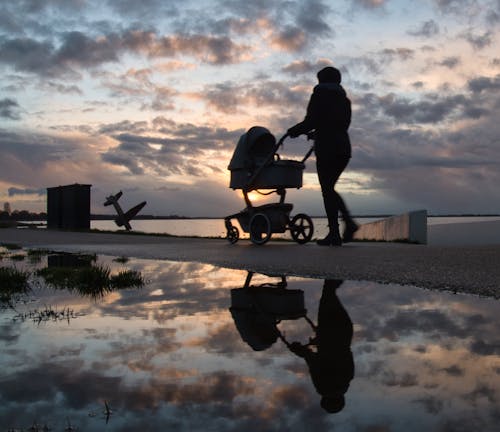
{"x":329,"y":116}
{"x":332,"y":365}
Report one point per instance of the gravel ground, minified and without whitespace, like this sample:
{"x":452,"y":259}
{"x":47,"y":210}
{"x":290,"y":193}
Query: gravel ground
{"x":471,"y":268}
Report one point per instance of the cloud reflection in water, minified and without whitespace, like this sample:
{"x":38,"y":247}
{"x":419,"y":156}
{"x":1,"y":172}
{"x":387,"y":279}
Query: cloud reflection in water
{"x":171,"y":355}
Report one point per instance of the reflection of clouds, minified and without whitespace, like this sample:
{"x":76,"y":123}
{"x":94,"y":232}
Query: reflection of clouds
{"x":405,"y":380}
{"x":483,"y":348}
{"x":221,"y":339}
{"x":431,"y":404}
{"x":9,"y":333}
{"x":160,"y":353}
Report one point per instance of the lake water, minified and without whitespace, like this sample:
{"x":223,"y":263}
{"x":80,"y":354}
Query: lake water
{"x":216,"y":228}
{"x":205,"y":348}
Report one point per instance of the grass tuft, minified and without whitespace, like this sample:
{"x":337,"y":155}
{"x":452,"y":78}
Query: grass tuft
{"x":127,"y":279}
{"x":12,"y":282}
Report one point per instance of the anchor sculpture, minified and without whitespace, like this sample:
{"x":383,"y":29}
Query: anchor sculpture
{"x":123,"y":219}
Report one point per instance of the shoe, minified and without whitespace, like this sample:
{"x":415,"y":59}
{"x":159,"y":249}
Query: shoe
{"x":350,"y":229}
{"x":330,"y":239}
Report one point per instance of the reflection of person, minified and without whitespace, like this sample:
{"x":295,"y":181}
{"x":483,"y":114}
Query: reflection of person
{"x":329,"y":116}
{"x":332,"y":366}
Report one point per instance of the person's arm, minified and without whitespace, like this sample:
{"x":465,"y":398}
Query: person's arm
{"x":300,"y":350}
{"x":309,"y":122}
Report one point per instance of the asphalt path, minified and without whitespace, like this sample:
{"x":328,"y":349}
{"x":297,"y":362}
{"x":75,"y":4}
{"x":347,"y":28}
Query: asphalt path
{"x":471,"y":267}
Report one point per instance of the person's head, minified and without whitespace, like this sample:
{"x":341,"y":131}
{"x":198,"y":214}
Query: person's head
{"x":329,"y":74}
{"x":333,"y":404}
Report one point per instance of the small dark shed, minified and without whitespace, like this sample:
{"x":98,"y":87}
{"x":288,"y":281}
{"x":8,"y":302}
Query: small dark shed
{"x":68,"y":207}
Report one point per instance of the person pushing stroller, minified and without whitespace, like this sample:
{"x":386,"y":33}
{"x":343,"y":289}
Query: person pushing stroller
{"x":329,"y":116}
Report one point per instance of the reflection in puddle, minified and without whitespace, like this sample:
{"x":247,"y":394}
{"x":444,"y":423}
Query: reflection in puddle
{"x":206,"y":348}
{"x":258,"y":309}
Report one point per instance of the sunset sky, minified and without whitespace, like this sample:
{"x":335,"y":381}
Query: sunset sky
{"x":151,"y":96}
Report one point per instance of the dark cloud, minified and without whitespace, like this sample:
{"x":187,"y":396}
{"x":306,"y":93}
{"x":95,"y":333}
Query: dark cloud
{"x":229,"y":97}
{"x":9,"y":108}
{"x":432,"y":110}
{"x":79,"y":51}
{"x":300,"y":67}
{"x":391,"y":54}
{"x":145,"y":9}
{"x":176,"y":150}
{"x":450,"y":62}
{"x":484,"y":84}
{"x":311,"y":18}
{"x":427,"y":29}
{"x":459,"y":7}
{"x":479,"y":42}
{"x":137,"y":87}
{"x":27,"y":55}
{"x":290,"y":38}
{"x":16,"y":191}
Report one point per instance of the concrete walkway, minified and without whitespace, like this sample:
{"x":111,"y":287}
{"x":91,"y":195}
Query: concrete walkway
{"x":472,"y":268}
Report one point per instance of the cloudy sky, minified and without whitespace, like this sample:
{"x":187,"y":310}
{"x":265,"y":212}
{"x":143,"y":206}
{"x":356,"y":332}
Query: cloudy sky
{"x":151,"y":97}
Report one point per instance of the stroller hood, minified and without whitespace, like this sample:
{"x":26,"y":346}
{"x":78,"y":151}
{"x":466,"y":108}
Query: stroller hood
{"x":253,"y":146}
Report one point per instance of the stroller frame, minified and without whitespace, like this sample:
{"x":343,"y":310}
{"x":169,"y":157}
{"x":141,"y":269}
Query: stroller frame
{"x":264,"y":220}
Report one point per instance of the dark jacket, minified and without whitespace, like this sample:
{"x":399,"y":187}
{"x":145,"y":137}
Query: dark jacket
{"x":329,"y":114}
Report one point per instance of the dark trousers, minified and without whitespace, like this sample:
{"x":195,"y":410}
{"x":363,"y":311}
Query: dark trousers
{"x":329,"y":170}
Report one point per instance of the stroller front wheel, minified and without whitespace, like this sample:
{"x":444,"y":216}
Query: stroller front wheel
{"x":260,"y":228}
{"x":301,"y":228}
{"x":233,"y":234}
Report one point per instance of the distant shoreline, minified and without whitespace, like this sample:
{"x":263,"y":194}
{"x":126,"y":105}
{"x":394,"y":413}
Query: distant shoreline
{"x":151,"y":217}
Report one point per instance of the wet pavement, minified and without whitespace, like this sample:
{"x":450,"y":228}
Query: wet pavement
{"x":472,"y":268}
{"x":203,"y":347}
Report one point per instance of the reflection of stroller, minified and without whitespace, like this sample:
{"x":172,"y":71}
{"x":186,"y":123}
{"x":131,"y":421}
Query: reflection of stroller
{"x":256,"y":165}
{"x":258,"y":309}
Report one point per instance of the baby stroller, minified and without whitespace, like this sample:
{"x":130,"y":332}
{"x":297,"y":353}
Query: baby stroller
{"x":258,"y":309}
{"x":256,"y":166}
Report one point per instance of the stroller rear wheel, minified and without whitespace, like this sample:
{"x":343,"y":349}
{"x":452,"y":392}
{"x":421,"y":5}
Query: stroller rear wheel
{"x":301,"y":228}
{"x":260,"y":228}
{"x":233,"y":234}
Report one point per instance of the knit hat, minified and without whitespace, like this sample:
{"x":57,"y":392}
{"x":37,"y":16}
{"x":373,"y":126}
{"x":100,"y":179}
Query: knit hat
{"x":329,"y":74}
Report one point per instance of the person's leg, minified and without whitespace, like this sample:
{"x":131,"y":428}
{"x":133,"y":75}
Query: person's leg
{"x":327,"y":177}
{"x":329,"y":171}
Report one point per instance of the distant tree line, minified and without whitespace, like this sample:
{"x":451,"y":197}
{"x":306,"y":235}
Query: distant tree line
{"x":22,"y":215}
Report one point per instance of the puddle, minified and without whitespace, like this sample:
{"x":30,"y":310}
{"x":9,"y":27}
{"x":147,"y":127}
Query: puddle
{"x":199,"y":347}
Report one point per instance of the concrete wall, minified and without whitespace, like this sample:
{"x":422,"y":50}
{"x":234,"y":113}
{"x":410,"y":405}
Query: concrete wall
{"x":410,"y":227}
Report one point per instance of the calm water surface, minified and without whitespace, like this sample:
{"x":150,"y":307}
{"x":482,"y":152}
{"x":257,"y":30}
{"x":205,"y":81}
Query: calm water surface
{"x":207,"y":348}
{"x":215,"y":227}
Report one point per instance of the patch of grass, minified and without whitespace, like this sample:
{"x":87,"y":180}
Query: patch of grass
{"x":122,"y":259}
{"x":11,"y":246}
{"x":127,"y":279}
{"x":38,"y":252}
{"x":35,"y":255}
{"x":12,"y":282}
{"x":17,"y":257}
{"x":91,"y":281}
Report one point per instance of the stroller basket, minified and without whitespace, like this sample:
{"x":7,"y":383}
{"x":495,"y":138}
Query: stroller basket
{"x":253,"y":165}
{"x":278,"y":174}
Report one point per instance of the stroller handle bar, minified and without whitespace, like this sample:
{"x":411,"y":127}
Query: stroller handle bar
{"x":270,"y":158}
{"x":310,"y":135}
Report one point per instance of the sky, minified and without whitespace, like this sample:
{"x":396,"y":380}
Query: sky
{"x":151,"y":98}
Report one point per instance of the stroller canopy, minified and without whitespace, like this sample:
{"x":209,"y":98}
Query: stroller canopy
{"x":253,"y":148}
